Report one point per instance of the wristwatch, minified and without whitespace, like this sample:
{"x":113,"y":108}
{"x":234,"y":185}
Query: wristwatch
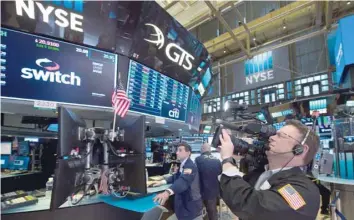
{"x":230,"y":160}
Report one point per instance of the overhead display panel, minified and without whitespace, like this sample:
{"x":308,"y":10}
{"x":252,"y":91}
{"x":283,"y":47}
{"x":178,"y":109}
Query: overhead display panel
{"x":156,"y":94}
{"x":39,"y":68}
{"x":141,"y":30}
{"x":162,"y":43}
{"x":91,"y":23}
{"x":194,"y":114}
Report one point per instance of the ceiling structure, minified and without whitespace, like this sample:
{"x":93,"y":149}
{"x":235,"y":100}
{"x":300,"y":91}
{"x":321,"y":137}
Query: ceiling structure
{"x":291,"y":23}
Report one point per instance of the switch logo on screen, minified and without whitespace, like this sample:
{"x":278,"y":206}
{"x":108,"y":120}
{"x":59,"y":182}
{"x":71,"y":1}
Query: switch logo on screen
{"x":174,"y":113}
{"x":259,"y":68}
{"x":49,"y":71}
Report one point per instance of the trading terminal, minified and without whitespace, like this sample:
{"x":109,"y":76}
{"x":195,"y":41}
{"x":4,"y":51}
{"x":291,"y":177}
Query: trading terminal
{"x":69,"y":149}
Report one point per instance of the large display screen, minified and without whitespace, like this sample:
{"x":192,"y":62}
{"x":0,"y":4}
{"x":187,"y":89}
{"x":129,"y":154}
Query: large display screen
{"x":38,"y":68}
{"x":194,"y":115}
{"x":141,"y":30}
{"x":156,"y":94}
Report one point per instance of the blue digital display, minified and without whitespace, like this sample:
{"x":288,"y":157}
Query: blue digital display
{"x":194,"y":115}
{"x":53,"y":127}
{"x":23,"y":148}
{"x":206,"y":78}
{"x":18,"y":163}
{"x":4,"y":161}
{"x":51,"y":70}
{"x":156,"y":94}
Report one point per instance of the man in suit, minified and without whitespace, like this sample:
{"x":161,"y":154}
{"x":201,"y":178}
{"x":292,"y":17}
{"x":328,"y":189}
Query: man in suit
{"x":185,"y":186}
{"x":209,"y":168}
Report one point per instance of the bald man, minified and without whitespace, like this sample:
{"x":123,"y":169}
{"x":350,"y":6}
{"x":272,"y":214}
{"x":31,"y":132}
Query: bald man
{"x":209,"y":168}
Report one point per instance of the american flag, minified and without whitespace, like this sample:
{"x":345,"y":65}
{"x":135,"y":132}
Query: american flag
{"x":120,"y":101}
{"x":292,"y":197}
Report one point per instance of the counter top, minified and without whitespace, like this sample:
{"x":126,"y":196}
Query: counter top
{"x":14,"y":174}
{"x":335,"y":180}
{"x":146,"y":203}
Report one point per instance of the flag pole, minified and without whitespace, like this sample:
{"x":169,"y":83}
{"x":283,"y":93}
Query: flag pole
{"x":114,"y":112}
{"x":114,"y":125}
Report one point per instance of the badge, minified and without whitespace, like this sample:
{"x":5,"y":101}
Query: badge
{"x":292,"y":197}
{"x":187,"y":171}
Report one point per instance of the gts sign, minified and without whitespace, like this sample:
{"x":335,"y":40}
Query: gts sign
{"x":174,"y":52}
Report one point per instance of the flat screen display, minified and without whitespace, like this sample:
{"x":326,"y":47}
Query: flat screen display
{"x":206,"y":78}
{"x":195,"y":142}
{"x":162,"y":43}
{"x":38,"y":68}
{"x":194,"y":115}
{"x":318,"y":105}
{"x":6,"y":147}
{"x":156,"y":94}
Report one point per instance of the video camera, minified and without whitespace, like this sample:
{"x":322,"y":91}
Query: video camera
{"x":254,"y":152}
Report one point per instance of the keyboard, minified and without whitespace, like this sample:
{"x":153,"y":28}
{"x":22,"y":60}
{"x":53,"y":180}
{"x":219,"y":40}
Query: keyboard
{"x":18,"y":202}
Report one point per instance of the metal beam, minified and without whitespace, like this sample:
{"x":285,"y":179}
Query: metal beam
{"x":273,"y":47}
{"x":227,"y":27}
{"x":240,"y":18}
{"x":329,"y":8}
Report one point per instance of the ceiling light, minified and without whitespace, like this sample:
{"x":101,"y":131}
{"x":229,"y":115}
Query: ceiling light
{"x":147,"y":122}
{"x":254,"y":39}
{"x":224,"y":51}
{"x":180,"y":129}
{"x":348,"y":2}
{"x":284,"y":27}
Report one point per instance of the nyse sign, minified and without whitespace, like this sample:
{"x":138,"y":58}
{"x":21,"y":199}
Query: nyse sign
{"x":174,"y":52}
{"x":259,"y":77}
{"x":62,"y":18}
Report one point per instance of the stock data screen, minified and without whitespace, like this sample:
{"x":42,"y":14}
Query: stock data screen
{"x":156,"y":94}
{"x":39,"y":68}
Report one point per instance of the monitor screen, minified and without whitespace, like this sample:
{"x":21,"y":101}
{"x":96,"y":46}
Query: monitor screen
{"x":207,"y":129}
{"x":53,"y":127}
{"x":6,"y":147}
{"x":156,"y":94}
{"x":52,"y":70}
{"x":195,"y":142}
{"x":318,"y":105}
{"x":194,"y":114}
{"x":206,"y":78}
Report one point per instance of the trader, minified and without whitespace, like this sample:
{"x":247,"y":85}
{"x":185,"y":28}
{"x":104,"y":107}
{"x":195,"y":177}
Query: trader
{"x":209,"y":168}
{"x":185,"y":186}
{"x":283,"y":191}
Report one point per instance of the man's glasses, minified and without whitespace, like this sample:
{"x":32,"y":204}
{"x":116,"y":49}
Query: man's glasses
{"x":284,"y":136}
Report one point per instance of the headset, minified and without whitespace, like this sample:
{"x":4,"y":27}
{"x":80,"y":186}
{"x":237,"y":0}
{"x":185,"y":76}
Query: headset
{"x":298,"y":149}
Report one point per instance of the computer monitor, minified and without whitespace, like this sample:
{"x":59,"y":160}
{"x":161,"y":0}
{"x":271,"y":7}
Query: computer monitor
{"x":6,"y":148}
{"x":65,"y":175}
{"x":69,"y":131}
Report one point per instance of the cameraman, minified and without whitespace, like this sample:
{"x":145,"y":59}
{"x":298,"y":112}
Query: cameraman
{"x":281,"y":192}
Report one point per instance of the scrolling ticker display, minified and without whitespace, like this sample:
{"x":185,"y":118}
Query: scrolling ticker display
{"x":156,"y":94}
{"x":39,"y":68}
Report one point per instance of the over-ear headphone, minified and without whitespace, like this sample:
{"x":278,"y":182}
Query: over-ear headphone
{"x":299,"y":148}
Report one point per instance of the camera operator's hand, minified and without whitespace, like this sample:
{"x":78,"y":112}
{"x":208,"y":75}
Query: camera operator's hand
{"x":227,"y":147}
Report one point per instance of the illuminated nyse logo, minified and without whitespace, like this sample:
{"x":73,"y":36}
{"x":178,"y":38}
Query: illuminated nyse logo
{"x":174,"y":113}
{"x":57,"y":76}
{"x":62,"y":18}
{"x":259,"y":68}
{"x":174,"y":52}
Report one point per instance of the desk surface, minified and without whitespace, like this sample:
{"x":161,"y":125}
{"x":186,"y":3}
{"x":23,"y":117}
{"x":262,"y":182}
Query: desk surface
{"x":335,"y":180}
{"x":14,"y":174}
{"x":139,"y":205}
